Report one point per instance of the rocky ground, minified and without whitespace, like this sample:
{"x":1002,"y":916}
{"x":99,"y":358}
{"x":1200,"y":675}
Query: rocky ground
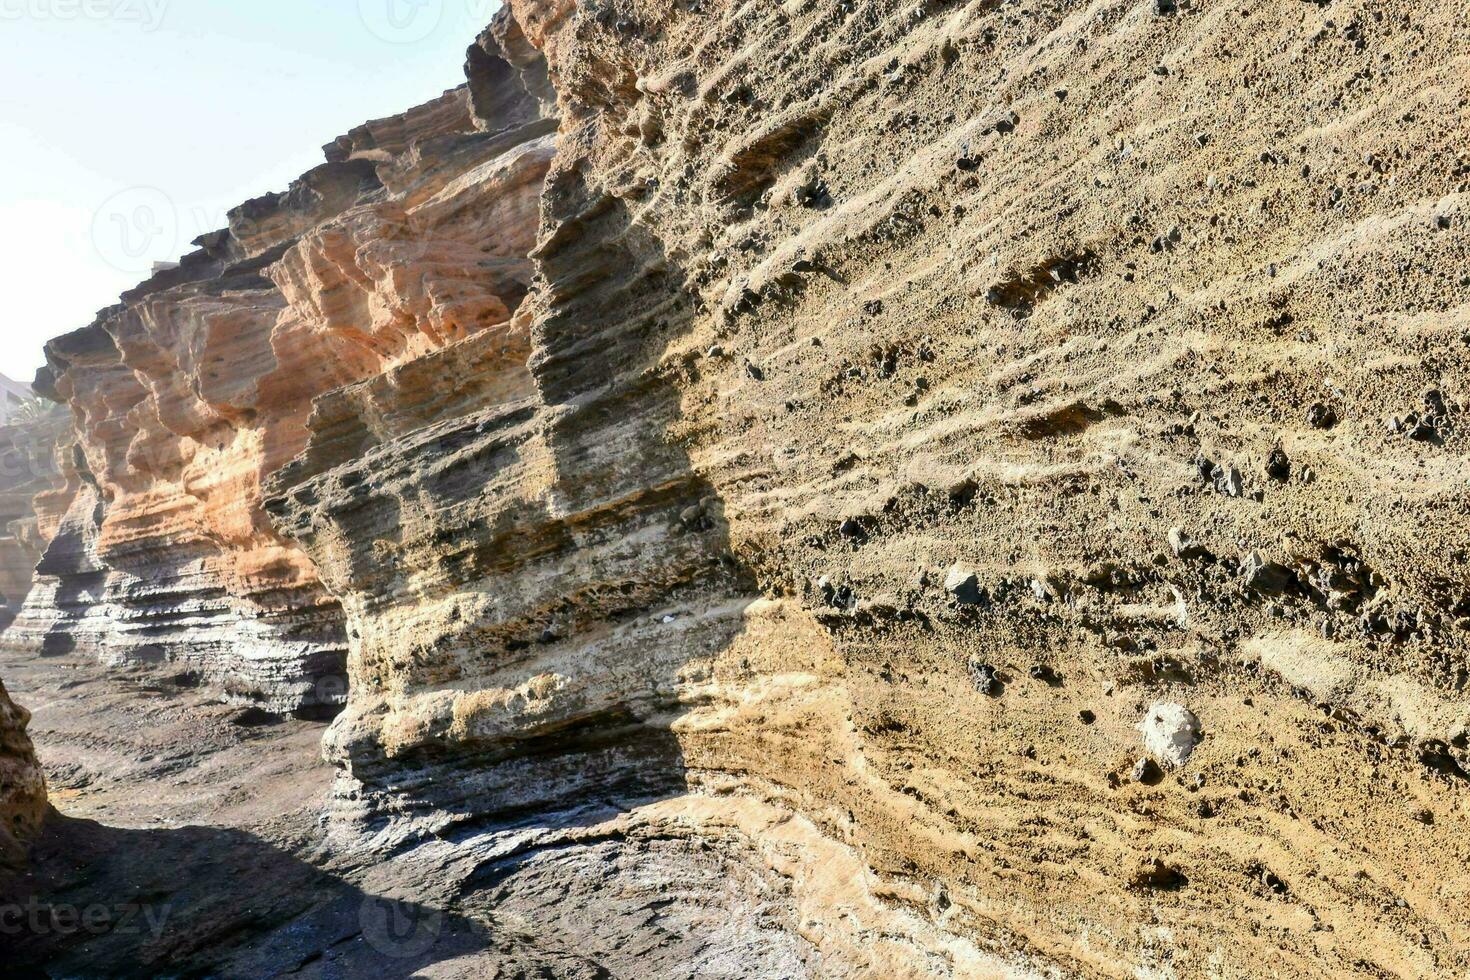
{"x":187,"y":840}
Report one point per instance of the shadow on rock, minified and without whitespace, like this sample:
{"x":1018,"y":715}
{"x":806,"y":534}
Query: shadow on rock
{"x":104,"y":902}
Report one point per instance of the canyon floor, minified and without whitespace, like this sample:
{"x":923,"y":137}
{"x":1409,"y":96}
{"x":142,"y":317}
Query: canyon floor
{"x":187,"y":842}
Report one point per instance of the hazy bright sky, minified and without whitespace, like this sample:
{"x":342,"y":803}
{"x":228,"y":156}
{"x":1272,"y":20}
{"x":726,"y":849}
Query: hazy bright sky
{"x":129,"y":127}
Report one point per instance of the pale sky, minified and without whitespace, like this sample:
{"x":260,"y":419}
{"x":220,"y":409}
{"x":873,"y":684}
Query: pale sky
{"x":129,"y":127}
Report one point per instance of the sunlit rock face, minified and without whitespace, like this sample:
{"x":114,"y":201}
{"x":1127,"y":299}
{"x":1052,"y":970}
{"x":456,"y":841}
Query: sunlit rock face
{"x":848,"y":441}
{"x":200,"y":383}
{"x":1046,"y":304}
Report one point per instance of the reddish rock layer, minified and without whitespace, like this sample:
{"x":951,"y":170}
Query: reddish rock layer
{"x":411,"y":239}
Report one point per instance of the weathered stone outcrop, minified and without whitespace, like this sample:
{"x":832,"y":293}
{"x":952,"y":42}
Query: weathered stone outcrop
{"x":22,"y":785}
{"x":28,"y":470}
{"x":859,"y":452}
{"x":960,"y":287}
{"x":199,"y":385}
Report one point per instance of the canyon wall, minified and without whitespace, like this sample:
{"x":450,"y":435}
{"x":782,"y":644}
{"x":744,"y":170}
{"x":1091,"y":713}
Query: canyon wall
{"x":22,"y":784}
{"x":993,"y":473}
{"x":412,"y":237}
{"x":29,"y":469}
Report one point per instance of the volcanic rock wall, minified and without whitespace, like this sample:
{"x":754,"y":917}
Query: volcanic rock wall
{"x":923,"y":406}
{"x":1000,"y":463}
{"x":28,"y":470}
{"x":411,"y":238}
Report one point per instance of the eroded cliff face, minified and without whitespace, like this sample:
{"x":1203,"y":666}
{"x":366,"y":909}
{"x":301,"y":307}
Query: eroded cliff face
{"x":22,"y":784}
{"x":29,"y":469}
{"x":988,"y":478}
{"x":187,"y":395}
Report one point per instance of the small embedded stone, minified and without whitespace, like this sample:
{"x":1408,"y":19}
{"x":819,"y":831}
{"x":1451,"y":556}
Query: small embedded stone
{"x":964,"y":585}
{"x":1228,"y":481}
{"x":1170,"y":732}
{"x":1185,"y":547}
{"x":1278,"y":465}
{"x":1266,"y":577}
{"x":985,"y":678}
{"x":1146,"y":770}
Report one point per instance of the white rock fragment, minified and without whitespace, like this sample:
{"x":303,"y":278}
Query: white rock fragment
{"x":964,"y":584}
{"x":1170,"y":733}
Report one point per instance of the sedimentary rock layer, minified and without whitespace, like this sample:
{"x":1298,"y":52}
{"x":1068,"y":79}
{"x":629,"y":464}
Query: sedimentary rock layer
{"x":997,"y":469}
{"x":411,"y":238}
{"x":28,"y":469}
{"x":917,"y":403}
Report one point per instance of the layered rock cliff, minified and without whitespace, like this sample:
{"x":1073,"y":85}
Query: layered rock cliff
{"x":199,"y":384}
{"x":29,"y":469}
{"x":991,"y":473}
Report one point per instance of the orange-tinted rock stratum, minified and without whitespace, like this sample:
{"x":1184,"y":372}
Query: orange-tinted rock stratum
{"x":841,"y":490}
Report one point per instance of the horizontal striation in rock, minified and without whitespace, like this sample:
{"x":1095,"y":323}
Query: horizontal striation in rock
{"x":510,"y":575}
{"x":189,"y":394}
{"x":851,"y":446}
{"x":30,"y":466}
{"x":1164,"y":376}
{"x":984,"y":286}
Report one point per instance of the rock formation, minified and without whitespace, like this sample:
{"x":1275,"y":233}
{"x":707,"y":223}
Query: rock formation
{"x":199,"y":384}
{"x":853,"y":453}
{"x":28,"y":470}
{"x":22,"y":784}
